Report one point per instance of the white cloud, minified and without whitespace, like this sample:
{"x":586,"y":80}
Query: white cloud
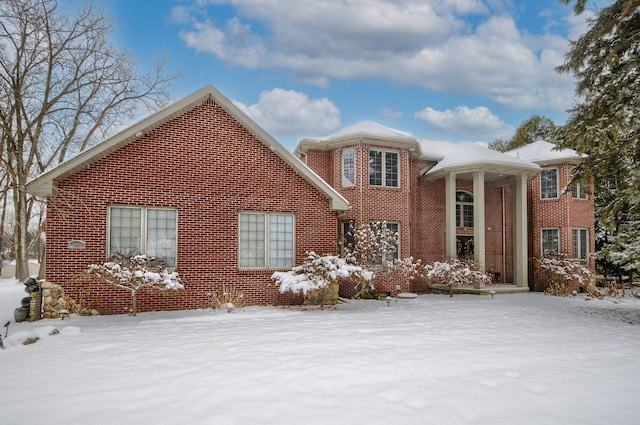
{"x":290,"y":113}
{"x":478,"y":122}
{"x":410,"y":42}
{"x":391,"y":113}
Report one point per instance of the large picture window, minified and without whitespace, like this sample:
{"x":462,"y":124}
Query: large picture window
{"x":348,"y":167}
{"x":144,"y":230}
{"x":550,"y":241}
{"x":549,"y":183}
{"x":383,"y":168}
{"x":580,"y":244}
{"x":266,"y":240}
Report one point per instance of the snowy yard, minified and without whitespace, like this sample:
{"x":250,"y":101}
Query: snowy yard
{"x":514,"y":359}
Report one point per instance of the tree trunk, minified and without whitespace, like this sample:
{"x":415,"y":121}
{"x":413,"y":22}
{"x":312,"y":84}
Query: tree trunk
{"x":20,"y":234}
{"x":134,"y":304}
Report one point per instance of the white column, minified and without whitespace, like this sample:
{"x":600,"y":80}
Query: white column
{"x":450,"y":214}
{"x":520,"y":260}
{"x":479,"y":227}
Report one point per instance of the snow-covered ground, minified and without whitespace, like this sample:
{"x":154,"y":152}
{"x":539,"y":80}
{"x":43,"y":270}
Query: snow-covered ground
{"x":515,"y":359}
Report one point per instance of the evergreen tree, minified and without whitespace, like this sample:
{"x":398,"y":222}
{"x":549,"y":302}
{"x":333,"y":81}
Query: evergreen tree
{"x":605,"y":124}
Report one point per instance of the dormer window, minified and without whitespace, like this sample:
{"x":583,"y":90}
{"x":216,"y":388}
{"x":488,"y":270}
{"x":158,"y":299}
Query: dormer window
{"x":383,"y":168}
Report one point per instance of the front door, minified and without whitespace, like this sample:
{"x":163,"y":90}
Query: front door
{"x":464,"y":246}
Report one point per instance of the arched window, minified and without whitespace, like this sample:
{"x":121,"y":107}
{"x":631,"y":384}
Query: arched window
{"x":464,"y":209}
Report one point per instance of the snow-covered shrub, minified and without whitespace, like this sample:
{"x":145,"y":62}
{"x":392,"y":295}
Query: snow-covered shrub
{"x":564,"y":274}
{"x":227,"y":298}
{"x":455,"y":272}
{"x":134,"y":273}
{"x":372,"y":246}
{"x":317,"y":272}
{"x":398,"y":271}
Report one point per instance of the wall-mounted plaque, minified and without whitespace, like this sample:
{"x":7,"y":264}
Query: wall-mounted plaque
{"x":77,"y":244}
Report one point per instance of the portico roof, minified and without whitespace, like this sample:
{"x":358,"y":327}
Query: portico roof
{"x":466,"y":158}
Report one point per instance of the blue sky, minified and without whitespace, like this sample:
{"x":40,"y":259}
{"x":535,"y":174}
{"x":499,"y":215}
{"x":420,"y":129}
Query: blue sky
{"x":453,"y":70}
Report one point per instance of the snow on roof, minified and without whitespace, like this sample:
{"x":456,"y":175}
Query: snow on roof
{"x":370,"y":128}
{"x":465,"y":154}
{"x":544,"y":152}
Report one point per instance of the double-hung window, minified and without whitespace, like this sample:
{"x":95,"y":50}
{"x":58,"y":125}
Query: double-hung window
{"x":266,"y":241}
{"x":550,"y":241}
{"x":549,"y":183}
{"x":383,"y":168}
{"x":580,"y":244}
{"x":144,"y":230}
{"x":348,"y":167}
{"x":578,"y":192}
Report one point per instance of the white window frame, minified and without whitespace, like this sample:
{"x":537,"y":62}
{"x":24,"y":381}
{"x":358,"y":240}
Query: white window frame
{"x":577,"y":243}
{"x":578,"y":192}
{"x":144,"y":231}
{"x":460,"y":210}
{"x":268,"y":242}
{"x":557,"y":174}
{"x":384,"y":167}
{"x":542,"y":240}
{"x":349,"y":167}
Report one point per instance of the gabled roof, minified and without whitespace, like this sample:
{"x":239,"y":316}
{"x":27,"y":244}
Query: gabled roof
{"x":467,"y":157}
{"x":46,"y":183}
{"x":542,"y":152}
{"x":369,"y":131}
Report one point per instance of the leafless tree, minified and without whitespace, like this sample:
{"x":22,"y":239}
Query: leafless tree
{"x":62,"y":87}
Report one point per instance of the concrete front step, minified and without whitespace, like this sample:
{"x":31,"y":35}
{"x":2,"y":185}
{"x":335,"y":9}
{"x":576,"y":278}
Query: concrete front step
{"x":499,"y":289}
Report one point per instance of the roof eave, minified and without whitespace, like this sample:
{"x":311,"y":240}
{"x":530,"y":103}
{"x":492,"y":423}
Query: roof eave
{"x":45,"y":183}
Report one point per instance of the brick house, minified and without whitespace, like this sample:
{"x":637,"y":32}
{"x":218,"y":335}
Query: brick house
{"x":197,"y":184}
{"x":434,"y":194}
{"x":204,"y":188}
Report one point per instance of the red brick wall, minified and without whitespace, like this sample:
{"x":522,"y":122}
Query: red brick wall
{"x":563,"y":212}
{"x":208,"y":167}
{"x":418,"y":205}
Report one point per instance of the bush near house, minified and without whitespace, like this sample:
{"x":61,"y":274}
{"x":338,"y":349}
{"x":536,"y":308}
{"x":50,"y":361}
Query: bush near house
{"x":317,"y":273}
{"x":454,"y":273}
{"x":558,"y":274}
{"x":135,"y":273}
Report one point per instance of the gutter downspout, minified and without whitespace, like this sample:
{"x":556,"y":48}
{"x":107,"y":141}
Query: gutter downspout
{"x":504,"y":237}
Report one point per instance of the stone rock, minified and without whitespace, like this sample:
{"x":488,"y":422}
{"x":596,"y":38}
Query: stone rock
{"x":324,"y":296}
{"x":55,"y":293}
{"x":95,"y":312}
{"x":47,"y":315}
{"x":30,"y":341}
{"x":46,"y":285}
